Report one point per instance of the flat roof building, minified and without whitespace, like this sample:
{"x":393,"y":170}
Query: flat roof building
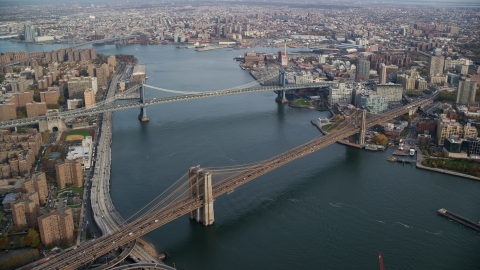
{"x":57,"y":227}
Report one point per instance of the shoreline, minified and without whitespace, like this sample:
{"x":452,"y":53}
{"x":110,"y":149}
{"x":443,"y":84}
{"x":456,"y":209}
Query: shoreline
{"x":420,"y":166}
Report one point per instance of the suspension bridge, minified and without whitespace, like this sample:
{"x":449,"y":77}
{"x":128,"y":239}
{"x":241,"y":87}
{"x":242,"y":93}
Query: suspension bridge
{"x":55,"y":119}
{"x":194,"y":193}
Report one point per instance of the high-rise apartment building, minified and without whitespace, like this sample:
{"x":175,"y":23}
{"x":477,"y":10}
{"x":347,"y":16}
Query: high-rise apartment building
{"x":69,"y":172}
{"x":382,"y":74}
{"x":91,"y":70}
{"x":25,"y":211}
{"x":51,"y":95}
{"x":406,"y":81}
{"x":7,"y":111}
{"x":78,"y":85}
{"x":37,"y":183}
{"x":363,"y":70}
{"x":56,"y":227}
{"x":102,"y":75}
{"x":437,"y":64}
{"x":38,"y":72}
{"x":36,"y":108}
{"x":112,"y":61}
{"x":89,"y":98}
{"x":466,"y":92}
{"x":28,"y":33}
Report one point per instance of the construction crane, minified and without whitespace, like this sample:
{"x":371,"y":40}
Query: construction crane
{"x":380,"y":261}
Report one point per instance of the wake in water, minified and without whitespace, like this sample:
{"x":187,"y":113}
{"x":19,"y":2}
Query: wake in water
{"x":436,"y":233}
{"x":381,"y":221}
{"x":404,"y":225}
{"x":344,"y":204}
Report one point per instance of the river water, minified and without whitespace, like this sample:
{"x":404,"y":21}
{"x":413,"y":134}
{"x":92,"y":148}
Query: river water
{"x":333,"y":209}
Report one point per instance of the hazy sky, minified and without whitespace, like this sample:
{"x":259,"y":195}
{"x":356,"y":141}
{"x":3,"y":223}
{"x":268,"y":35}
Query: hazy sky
{"x":475,"y":3}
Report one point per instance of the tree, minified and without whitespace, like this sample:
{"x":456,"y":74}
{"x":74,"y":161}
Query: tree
{"x":33,"y":237}
{"x":61,"y":100}
{"x":379,"y":139}
{"x":28,"y":240}
{"x":21,"y":112}
{"x":4,"y":243}
{"x":53,"y":106}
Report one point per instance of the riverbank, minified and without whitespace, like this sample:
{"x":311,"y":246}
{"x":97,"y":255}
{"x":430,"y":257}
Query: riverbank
{"x":419,"y":165}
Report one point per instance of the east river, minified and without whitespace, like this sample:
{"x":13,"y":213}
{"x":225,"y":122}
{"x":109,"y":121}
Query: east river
{"x":333,"y":209}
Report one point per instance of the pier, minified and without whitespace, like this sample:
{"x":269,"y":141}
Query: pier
{"x":459,"y":219}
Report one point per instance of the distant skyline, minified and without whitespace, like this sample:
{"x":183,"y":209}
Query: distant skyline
{"x":461,"y":3}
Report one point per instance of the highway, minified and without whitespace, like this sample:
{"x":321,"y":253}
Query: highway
{"x":104,"y":213}
{"x":152,"y":220}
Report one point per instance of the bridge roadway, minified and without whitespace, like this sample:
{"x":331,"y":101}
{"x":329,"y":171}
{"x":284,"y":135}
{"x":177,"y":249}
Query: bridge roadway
{"x":122,"y":235}
{"x":155,"y":101}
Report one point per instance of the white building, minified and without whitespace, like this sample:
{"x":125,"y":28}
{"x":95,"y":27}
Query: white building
{"x":340,"y":92}
{"x":82,"y":151}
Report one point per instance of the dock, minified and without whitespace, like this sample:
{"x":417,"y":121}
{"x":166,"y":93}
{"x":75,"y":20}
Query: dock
{"x":472,"y":225}
{"x":319,"y":126}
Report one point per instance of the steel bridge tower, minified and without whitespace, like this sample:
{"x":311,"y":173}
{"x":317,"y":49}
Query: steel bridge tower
{"x":282,"y":81}
{"x":201,"y":189}
{"x":143,"y":110}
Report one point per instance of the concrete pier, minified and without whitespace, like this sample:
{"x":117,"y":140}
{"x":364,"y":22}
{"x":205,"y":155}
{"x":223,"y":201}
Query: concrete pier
{"x":459,"y":219}
{"x":201,"y":189}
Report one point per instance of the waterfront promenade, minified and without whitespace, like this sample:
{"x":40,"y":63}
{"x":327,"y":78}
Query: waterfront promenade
{"x":419,"y":165}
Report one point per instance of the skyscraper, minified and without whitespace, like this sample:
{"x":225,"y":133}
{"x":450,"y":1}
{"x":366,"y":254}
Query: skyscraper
{"x":437,"y":63}
{"x":466,"y":92}
{"x":363,"y":70}
{"x":28,"y":33}
{"x":382,"y":76}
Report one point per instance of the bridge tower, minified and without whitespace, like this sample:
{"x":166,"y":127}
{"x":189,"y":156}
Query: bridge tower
{"x":363,"y":128}
{"x":201,"y":188}
{"x":53,"y":121}
{"x":143,"y":110}
{"x":282,"y":81}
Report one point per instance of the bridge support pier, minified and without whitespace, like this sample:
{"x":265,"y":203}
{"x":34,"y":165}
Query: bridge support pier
{"x":143,"y":110}
{"x":143,"y":115}
{"x":281,"y":97}
{"x":201,"y":188}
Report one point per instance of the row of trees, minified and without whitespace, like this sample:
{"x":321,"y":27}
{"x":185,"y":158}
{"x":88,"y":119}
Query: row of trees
{"x":32,"y":239}
{"x":20,"y":260}
{"x":461,"y":166}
